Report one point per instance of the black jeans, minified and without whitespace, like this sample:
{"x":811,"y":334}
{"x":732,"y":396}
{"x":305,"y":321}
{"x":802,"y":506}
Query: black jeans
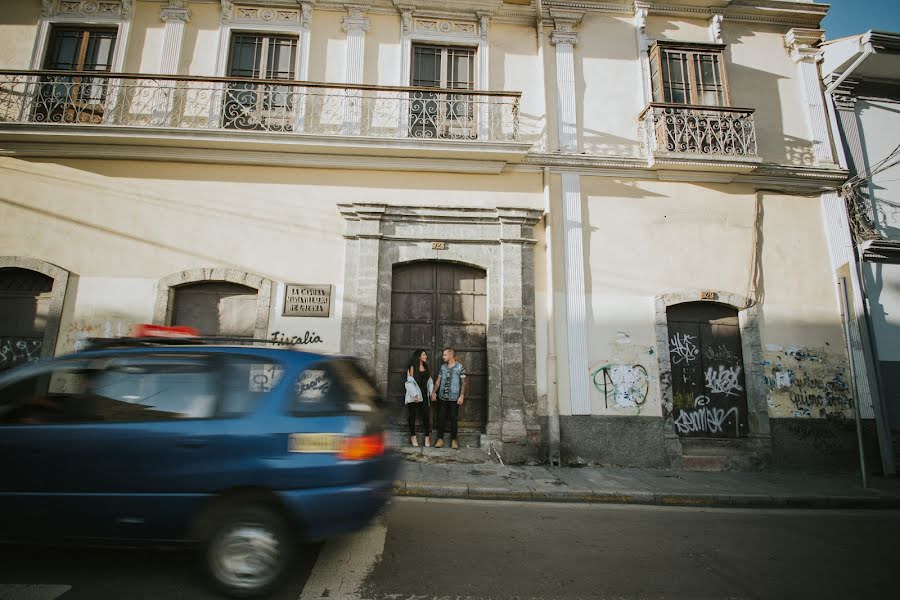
{"x":423,"y":411}
{"x":445,"y":407}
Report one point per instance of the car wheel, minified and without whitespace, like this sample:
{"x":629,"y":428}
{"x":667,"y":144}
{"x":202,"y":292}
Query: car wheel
{"x":246,"y":550}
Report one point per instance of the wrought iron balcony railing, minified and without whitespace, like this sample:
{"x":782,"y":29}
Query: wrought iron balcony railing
{"x":85,"y":99}
{"x":703,"y":131}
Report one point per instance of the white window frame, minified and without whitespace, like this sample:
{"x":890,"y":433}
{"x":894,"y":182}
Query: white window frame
{"x":121,"y":22}
{"x":302,"y":30}
{"x":409,"y":36}
{"x":123,"y":32}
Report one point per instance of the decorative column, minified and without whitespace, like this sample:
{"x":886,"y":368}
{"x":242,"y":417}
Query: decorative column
{"x":484,"y":129}
{"x":564,"y":38}
{"x":518,"y":402}
{"x":803,"y":46}
{"x":302,"y":94}
{"x":175,"y":15}
{"x":356,"y":24}
{"x":641,"y":11}
{"x":406,"y":25}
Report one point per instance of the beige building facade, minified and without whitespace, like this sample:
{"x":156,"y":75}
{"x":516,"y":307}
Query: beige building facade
{"x":613,"y":209}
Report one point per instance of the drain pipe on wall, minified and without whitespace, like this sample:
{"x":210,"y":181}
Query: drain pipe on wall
{"x":552,"y":391}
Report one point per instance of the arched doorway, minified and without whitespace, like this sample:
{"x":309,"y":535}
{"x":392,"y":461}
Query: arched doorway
{"x":25,"y":306}
{"x":216,"y":308}
{"x":436,"y":304}
{"x":709,"y":389}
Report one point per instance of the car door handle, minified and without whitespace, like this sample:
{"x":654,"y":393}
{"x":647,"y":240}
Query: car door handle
{"x":192,"y":443}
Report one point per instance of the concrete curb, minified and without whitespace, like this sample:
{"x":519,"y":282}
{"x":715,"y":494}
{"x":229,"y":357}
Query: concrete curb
{"x":708,"y":500}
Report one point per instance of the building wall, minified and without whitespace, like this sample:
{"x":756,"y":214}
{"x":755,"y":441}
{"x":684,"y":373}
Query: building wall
{"x":127,"y":224}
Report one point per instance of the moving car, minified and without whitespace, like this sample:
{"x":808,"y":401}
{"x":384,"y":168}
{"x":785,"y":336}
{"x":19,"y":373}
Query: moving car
{"x":241,"y":449}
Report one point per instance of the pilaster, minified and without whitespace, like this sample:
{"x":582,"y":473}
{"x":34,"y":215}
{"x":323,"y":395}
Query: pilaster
{"x":576,"y":310}
{"x":356,"y":24}
{"x":641,"y":10}
{"x":803,"y":47}
{"x":175,"y":15}
{"x":564,"y":37}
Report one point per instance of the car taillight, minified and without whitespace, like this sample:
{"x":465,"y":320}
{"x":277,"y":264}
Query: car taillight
{"x":362,"y":447}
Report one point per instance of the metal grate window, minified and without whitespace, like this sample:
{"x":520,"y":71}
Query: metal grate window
{"x":441,"y":115}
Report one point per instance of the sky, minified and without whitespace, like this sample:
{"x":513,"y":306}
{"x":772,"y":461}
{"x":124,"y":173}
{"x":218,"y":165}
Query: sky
{"x":847,"y":17}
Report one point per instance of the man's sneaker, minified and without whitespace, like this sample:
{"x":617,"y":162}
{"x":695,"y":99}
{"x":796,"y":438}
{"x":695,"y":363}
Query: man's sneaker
{"x":439,"y":443}
{"x":454,"y":444}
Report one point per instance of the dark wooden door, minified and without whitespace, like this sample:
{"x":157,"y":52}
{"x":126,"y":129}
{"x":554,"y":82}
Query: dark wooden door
{"x":24,"y":305}
{"x":708,"y":387}
{"x":437,"y":304}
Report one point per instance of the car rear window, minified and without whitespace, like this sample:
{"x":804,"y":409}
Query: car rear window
{"x":147,"y":388}
{"x":333,"y":385}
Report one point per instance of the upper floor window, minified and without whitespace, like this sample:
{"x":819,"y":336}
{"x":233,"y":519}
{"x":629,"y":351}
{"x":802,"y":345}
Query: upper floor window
{"x":80,"y":49}
{"x":688,"y":74}
{"x":260,"y":106}
{"x":68,"y":99}
{"x":434,"y":114}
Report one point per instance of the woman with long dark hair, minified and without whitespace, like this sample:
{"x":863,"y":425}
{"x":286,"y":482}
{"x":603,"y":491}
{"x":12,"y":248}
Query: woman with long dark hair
{"x":419,"y":387}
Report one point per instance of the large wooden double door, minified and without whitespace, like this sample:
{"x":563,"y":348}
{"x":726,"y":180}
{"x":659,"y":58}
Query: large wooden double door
{"x":437,"y":304}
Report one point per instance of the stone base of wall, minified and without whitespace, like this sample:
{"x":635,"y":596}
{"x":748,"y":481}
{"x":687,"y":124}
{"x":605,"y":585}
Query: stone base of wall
{"x":612,"y":441}
{"x":823,"y":445}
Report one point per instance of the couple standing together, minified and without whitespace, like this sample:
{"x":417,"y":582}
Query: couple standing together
{"x":448,"y":387}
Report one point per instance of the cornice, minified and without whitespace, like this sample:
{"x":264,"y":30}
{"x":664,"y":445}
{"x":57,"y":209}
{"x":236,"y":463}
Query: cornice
{"x":766,"y":175}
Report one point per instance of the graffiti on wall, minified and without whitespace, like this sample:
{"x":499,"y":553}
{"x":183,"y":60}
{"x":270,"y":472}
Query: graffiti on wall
{"x":309,"y":337}
{"x":708,"y":391}
{"x":705,"y":418}
{"x":806,"y":382}
{"x":17,"y":351}
{"x":627,"y":385}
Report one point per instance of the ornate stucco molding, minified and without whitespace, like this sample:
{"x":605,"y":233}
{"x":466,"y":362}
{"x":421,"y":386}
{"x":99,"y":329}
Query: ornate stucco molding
{"x":176,"y":10}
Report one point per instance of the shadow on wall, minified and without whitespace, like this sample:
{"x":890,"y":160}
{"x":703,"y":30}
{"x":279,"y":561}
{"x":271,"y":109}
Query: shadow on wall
{"x":774,"y":145}
{"x":601,"y":143}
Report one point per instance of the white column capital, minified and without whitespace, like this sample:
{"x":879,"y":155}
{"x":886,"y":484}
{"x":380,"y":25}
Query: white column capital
{"x":715,"y":27}
{"x":641,"y":12}
{"x":306,"y":15}
{"x":357,"y":19}
{"x":406,"y":21}
{"x":176,"y":10}
{"x":227,"y":11}
{"x":803,"y":44}
{"x":565,"y":24}
{"x":484,"y":20}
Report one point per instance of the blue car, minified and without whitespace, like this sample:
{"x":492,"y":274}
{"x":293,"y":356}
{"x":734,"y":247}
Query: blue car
{"x":241,"y":449}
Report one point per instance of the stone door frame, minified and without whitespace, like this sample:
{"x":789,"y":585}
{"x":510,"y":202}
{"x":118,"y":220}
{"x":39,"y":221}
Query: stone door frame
{"x":60,"y":279}
{"x":165,"y":293}
{"x":498,"y":240}
{"x":759,"y":439}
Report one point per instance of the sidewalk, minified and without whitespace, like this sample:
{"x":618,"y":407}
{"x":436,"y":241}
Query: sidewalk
{"x":492,"y":481}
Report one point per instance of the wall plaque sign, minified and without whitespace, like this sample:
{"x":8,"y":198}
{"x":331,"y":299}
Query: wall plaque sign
{"x":306,"y":300}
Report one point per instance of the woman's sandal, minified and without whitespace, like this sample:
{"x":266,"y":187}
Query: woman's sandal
{"x":428,"y":441}
{"x":415,"y":440}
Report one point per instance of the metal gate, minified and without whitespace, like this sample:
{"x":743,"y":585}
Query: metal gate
{"x":437,"y":304}
{"x":708,"y":390}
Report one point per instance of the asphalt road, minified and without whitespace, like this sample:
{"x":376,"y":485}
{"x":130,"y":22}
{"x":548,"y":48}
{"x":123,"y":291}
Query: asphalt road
{"x":432,"y":549}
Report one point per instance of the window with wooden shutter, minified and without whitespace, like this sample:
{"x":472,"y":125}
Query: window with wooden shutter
{"x":78,"y":99}
{"x":690,"y":74}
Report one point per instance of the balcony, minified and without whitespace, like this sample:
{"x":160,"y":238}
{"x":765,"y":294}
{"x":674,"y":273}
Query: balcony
{"x":286,"y":116}
{"x":682,"y":137}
